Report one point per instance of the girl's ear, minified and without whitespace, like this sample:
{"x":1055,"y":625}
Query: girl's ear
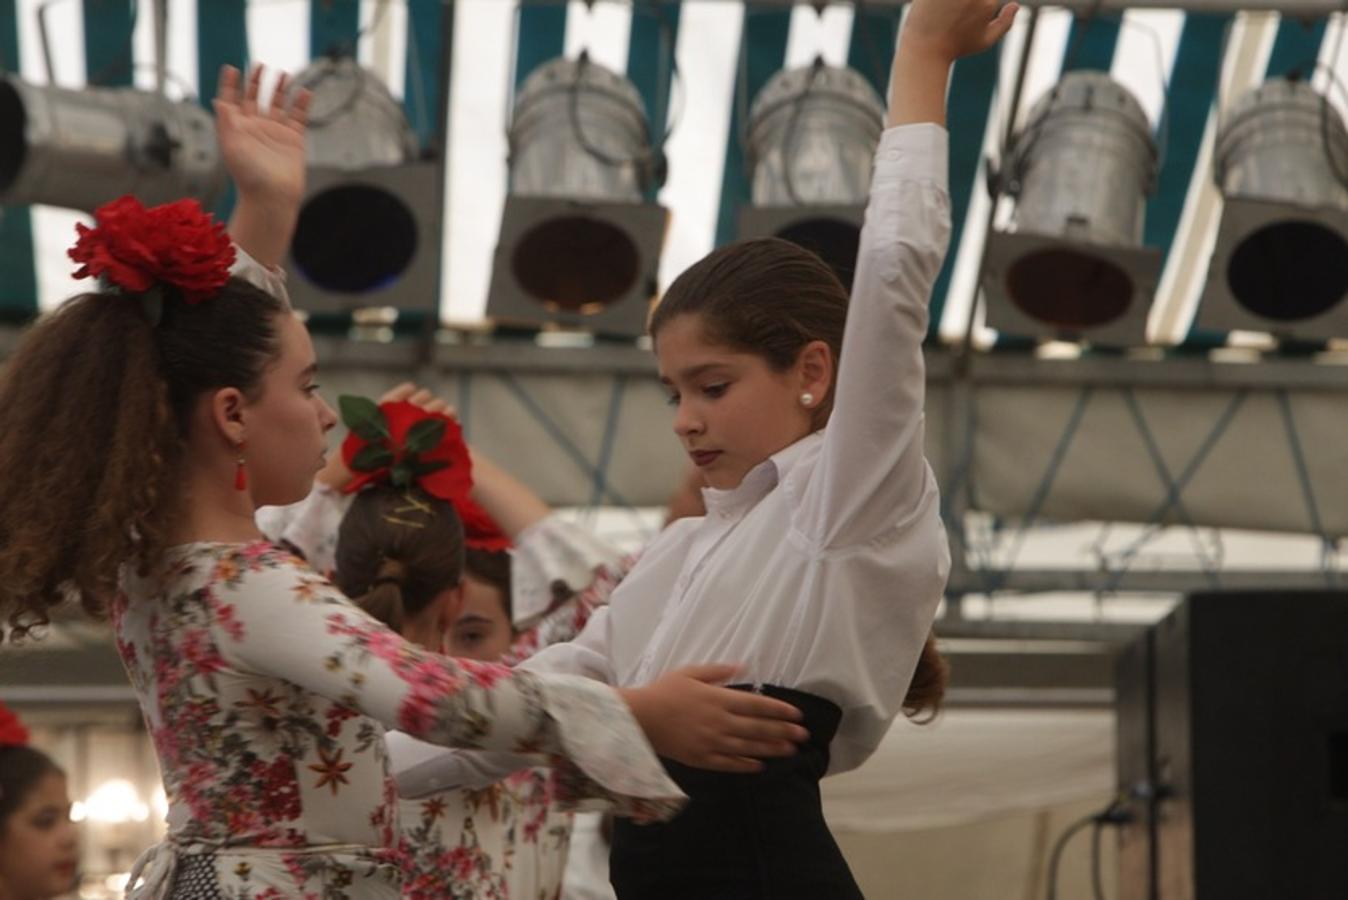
{"x":815,"y":365}
{"x":227,"y":414}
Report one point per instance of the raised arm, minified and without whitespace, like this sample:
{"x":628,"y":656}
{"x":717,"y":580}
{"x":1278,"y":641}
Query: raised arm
{"x":263,"y":149}
{"x":872,"y":472}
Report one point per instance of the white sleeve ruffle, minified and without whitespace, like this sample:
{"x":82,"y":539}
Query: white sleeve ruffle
{"x":552,"y":560}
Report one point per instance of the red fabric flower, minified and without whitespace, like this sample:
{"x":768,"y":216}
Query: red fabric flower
{"x":174,"y":243}
{"x":448,"y":483}
{"x":479,"y":529}
{"x":451,"y":483}
{"x":12,"y":731}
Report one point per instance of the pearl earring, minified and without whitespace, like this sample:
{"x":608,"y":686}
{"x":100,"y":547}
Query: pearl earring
{"x":807,"y":399}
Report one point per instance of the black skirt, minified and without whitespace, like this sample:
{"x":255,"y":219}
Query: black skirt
{"x":742,"y":837}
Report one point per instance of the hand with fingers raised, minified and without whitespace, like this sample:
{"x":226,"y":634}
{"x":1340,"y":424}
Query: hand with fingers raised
{"x":954,"y":29}
{"x":262,"y":144}
{"x":935,"y":34}
{"x":689,"y":718}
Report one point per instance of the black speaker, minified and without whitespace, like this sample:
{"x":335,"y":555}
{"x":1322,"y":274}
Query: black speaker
{"x":1250,"y":746}
{"x":1135,"y":749}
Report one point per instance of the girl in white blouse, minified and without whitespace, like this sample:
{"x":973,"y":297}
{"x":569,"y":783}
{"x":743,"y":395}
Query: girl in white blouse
{"x":822,"y":558}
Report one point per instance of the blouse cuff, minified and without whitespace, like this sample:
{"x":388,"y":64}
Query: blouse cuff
{"x":925,"y":143}
{"x":552,"y":560}
{"x":271,"y":280}
{"x":605,"y":760}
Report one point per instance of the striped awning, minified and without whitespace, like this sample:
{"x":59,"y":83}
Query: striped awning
{"x":1182,"y":67}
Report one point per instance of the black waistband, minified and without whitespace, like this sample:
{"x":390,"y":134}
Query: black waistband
{"x":811,"y":759}
{"x":758,"y":836}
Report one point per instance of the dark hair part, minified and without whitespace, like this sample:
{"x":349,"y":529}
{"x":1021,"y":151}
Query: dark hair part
{"x":397,"y":550}
{"x":21,"y":768}
{"x":493,"y":568}
{"x":926,"y":692}
{"x":94,"y":411}
{"x":764,"y":296}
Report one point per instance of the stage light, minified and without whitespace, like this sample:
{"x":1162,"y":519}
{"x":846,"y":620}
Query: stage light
{"x":82,"y":148}
{"x":1074,"y":267}
{"x":115,"y":802}
{"x":1280,"y":263}
{"x":811,"y":145}
{"x":579,"y":246}
{"x":369,"y":228}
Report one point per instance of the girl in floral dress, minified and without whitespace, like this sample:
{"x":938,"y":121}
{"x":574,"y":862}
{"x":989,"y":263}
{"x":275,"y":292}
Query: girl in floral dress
{"x":141,"y":426}
{"x":507,"y":839}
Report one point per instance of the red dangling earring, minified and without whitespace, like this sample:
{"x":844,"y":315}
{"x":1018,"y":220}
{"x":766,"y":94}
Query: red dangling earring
{"x":240,"y":473}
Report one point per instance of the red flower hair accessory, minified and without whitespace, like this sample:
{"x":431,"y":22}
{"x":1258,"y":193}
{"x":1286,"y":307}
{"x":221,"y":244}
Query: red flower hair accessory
{"x":403,"y":445}
{"x":12,"y":731}
{"x":135,"y":248}
{"x":479,"y":529}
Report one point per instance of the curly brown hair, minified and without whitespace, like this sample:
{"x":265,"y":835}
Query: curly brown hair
{"x":95,"y":405}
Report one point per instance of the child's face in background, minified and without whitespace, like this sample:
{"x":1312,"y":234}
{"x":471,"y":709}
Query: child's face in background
{"x":482,"y":630}
{"x":732,"y":410}
{"x":38,"y":843}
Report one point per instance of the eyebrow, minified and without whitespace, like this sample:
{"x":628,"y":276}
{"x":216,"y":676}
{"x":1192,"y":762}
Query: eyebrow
{"x":693,"y":371}
{"x":472,"y":619}
{"x":309,"y":371}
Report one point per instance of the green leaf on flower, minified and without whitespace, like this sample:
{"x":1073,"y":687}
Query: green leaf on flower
{"x":427,"y":466}
{"x":372,"y":457}
{"x":424,"y":435}
{"x":403,"y":475}
{"x":363,"y":417}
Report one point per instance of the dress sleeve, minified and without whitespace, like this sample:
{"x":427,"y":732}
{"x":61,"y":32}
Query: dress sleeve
{"x":586,"y":655}
{"x":555,"y":559}
{"x":281,"y":619}
{"x":309,"y":527}
{"x":570,"y":618}
{"x":872,"y":472}
{"x":273,"y":281}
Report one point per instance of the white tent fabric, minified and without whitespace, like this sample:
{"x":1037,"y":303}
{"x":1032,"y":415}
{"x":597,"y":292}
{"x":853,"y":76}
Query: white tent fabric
{"x":975,"y":764}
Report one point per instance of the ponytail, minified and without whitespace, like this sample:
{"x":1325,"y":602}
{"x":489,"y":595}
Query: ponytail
{"x":384,"y":599}
{"x":95,"y":405}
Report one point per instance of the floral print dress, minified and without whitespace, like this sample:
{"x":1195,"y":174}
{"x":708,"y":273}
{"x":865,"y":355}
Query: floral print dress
{"x":266,"y":693}
{"x":508,"y":840}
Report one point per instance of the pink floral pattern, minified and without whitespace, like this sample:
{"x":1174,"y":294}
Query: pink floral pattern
{"x":508,"y":841}
{"x":504,"y":842}
{"x":264,"y":690}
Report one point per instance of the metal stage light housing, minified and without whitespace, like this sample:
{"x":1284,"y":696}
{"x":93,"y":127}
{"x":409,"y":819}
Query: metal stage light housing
{"x":578,"y":247}
{"x":369,"y":230}
{"x":1280,"y":264}
{"x":82,"y":148}
{"x":1075,"y":268}
{"x":368,"y":238}
{"x":812,"y":138}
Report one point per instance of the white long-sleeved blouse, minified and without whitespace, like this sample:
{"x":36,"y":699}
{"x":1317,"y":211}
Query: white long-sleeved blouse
{"x":822,"y":570}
